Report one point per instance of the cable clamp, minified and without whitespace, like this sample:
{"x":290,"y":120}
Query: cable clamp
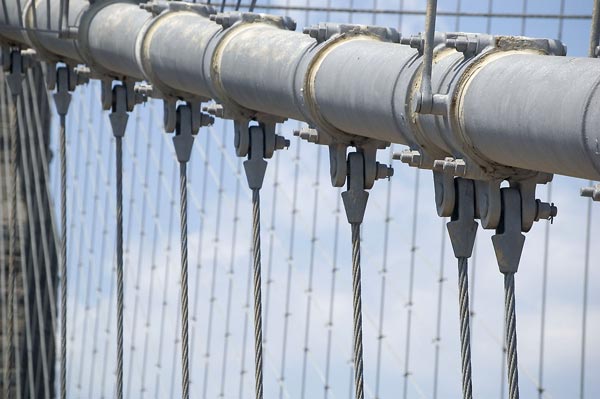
{"x":462,"y":228}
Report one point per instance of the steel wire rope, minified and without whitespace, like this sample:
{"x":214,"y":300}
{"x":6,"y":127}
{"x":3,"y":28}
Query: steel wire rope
{"x":119,"y":252}
{"x":12,"y":131}
{"x":15,"y":105}
{"x":42,"y":203}
{"x":25,"y":127}
{"x":409,"y":304}
{"x":3,"y":262}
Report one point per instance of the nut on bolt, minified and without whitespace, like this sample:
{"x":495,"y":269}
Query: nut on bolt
{"x":411,"y":157}
{"x":457,"y":167}
{"x":281,"y":142}
{"x":545,"y":211}
{"x":383,"y":171}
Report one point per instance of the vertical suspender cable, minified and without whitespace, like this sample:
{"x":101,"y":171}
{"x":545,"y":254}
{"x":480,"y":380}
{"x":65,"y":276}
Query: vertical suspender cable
{"x":465,"y":336}
{"x":256,"y":256}
{"x":119,"y":199}
{"x":357,"y":315}
{"x":511,"y":335}
{"x":540,"y":388}
{"x":118,"y":119}
{"x":185,"y":373}
{"x":12,"y":261}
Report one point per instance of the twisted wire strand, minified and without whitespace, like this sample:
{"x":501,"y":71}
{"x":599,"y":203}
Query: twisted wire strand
{"x":357,"y":307}
{"x":26,"y":126}
{"x":119,"y":172}
{"x":185,"y":371}
{"x":465,"y":336}
{"x":63,"y":258}
{"x":12,"y":262}
{"x":511,"y":335}
{"x":256,"y":255}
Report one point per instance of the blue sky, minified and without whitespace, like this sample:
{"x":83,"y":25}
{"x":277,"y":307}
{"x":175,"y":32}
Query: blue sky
{"x":152,"y":259}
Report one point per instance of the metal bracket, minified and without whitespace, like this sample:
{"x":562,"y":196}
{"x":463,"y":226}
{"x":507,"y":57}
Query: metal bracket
{"x":462,"y":229}
{"x":509,"y":241}
{"x":119,"y":116}
{"x":171,"y":115}
{"x":258,"y":142}
{"x":533,"y":209}
{"x":356,"y":197}
{"x":107,"y":94}
{"x":184,"y":133}
{"x":325,"y":31}
{"x":445,"y":193}
{"x":15,"y":62}
{"x":228,"y":19}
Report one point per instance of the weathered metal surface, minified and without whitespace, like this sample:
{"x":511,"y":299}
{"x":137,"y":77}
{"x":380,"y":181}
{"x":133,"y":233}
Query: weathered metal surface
{"x":512,"y":108}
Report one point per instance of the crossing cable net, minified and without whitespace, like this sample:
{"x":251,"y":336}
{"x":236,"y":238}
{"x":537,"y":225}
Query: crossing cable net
{"x":91,"y":360}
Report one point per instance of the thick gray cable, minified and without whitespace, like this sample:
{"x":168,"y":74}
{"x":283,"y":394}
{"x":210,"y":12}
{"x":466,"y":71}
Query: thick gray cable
{"x":185,"y":371}
{"x":465,"y":336}
{"x":357,"y":308}
{"x":63,"y":258}
{"x":119,"y":172}
{"x":511,"y":335}
{"x":12,"y":262}
{"x":256,"y":255}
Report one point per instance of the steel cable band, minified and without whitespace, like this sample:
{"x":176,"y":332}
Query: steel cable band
{"x":357,"y":307}
{"x":258,"y":359}
{"x":465,"y":335}
{"x":511,"y":335}
{"x":185,"y":371}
